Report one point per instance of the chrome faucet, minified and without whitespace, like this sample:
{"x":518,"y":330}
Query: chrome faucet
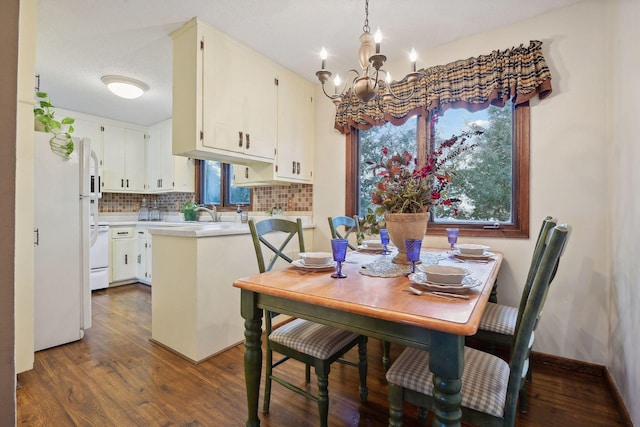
{"x":213,"y":212}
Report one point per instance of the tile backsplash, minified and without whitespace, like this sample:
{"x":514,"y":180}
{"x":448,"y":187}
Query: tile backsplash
{"x":291,"y":198}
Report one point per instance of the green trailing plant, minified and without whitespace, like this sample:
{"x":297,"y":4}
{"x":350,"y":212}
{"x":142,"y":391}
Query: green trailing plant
{"x":44,"y":112}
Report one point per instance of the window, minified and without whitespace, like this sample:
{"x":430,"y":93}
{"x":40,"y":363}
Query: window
{"x":216,"y":186}
{"x":493,"y":183}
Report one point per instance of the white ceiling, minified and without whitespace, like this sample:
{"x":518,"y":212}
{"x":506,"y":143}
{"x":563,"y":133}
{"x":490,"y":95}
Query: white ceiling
{"x":78,"y":41}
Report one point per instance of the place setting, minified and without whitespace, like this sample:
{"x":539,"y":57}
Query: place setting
{"x":314,"y":262}
{"x":440,"y":278}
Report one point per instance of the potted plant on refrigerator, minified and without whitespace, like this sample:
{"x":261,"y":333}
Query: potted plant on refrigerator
{"x":61,"y":142}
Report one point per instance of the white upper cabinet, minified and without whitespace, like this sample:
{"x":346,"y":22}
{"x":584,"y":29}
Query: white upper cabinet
{"x":123,"y":151}
{"x":166,"y":172}
{"x":224,"y":98}
{"x":294,"y":160}
{"x":160,"y":171}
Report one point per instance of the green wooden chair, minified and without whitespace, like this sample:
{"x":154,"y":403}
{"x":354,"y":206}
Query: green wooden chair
{"x":342,"y":226}
{"x":490,"y":386}
{"x":500,"y":322}
{"x":310,"y":343}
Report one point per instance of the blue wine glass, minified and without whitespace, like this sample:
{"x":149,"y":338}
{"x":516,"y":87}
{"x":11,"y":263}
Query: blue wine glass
{"x":452,"y":235}
{"x":339,"y":249}
{"x":384,"y":238}
{"x":412,"y":248}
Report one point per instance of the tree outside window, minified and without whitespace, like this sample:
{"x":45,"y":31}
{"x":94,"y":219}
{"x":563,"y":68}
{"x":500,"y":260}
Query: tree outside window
{"x":216,"y":186}
{"x":492,"y":180}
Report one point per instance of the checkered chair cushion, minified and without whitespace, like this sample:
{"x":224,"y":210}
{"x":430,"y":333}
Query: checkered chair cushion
{"x":499,"y":318}
{"x":311,"y":338}
{"x":484,"y":380}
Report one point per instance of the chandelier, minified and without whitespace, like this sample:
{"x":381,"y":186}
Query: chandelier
{"x":365,"y":84}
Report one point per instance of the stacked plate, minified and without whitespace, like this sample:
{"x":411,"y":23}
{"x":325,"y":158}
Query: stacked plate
{"x":443,"y":278}
{"x":315,"y":261}
{"x":371,"y":246}
{"x":470,"y":251}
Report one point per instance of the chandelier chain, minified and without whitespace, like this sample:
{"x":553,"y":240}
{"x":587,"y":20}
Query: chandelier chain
{"x":365,"y":27}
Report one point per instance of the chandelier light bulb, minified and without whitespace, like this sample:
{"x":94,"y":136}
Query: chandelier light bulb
{"x":413,"y":56}
{"x":378,"y":40}
{"x":323,"y":56}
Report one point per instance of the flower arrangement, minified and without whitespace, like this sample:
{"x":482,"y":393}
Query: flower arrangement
{"x":405,"y":187}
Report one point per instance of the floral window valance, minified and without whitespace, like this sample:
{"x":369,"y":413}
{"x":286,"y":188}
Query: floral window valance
{"x":517,"y":74}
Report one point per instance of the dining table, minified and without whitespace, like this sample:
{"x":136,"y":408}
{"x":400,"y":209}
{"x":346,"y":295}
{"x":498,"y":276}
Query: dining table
{"x":374,"y":300}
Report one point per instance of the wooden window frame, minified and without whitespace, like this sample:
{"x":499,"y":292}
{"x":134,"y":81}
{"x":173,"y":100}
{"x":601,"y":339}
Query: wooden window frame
{"x":224,"y":206}
{"x":521,"y":169}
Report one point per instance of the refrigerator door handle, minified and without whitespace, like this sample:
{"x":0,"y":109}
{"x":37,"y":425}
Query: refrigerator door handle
{"x":94,"y":229}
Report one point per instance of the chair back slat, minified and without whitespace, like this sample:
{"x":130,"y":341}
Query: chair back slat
{"x":350,"y":225}
{"x":259,"y":234}
{"x":541,"y":242}
{"x":553,"y":249}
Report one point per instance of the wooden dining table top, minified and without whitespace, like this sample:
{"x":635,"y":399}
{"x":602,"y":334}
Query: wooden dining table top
{"x":383,"y":297}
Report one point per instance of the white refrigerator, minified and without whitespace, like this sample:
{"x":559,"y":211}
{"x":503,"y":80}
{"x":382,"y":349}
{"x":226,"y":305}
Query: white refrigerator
{"x":62,"y":200}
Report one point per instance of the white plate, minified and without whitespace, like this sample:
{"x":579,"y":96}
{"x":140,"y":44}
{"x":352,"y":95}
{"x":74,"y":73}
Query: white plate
{"x":468,"y":282}
{"x":486,"y":255}
{"x":298,"y":263}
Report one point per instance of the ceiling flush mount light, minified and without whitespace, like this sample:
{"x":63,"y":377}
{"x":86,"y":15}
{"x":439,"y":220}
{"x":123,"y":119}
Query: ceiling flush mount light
{"x":365,"y":84}
{"x":125,"y":87}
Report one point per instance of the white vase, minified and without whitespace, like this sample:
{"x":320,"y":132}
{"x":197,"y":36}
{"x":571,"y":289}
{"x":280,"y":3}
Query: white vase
{"x":405,"y":226}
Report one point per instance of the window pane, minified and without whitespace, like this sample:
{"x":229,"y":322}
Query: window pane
{"x":211,"y":176}
{"x":483,"y":179}
{"x":237,"y":195}
{"x":396,"y":138}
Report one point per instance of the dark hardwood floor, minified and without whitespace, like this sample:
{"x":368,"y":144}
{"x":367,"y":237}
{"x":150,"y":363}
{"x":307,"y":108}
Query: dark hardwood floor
{"x":116,"y":376}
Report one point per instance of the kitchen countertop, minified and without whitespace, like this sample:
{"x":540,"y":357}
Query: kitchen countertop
{"x":211,"y":229}
{"x":195,"y":229}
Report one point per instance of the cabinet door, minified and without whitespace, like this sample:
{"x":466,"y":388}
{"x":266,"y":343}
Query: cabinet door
{"x":141,"y":257}
{"x":113,"y":151}
{"x":239,"y":98}
{"x":295,"y":127}
{"x":134,"y":160}
{"x":160,"y":163}
{"x":149,"y":260}
{"x":123,"y":257}
{"x":184,"y":175}
{"x":91,"y":130}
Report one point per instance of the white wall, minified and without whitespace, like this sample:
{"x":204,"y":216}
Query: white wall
{"x":568,"y":180}
{"x":584,"y":158}
{"x":624,"y":205}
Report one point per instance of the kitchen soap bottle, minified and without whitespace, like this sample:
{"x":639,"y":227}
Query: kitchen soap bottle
{"x":143,"y":212}
{"x":154,"y":213}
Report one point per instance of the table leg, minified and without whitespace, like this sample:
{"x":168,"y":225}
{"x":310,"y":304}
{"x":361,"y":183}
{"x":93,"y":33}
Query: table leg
{"x":252,"y":354}
{"x":446,"y":362}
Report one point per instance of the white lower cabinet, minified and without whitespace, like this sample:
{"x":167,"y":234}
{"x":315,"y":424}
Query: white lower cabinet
{"x":124,"y":252}
{"x":144,"y":255}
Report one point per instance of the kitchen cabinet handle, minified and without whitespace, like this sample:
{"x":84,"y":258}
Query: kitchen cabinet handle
{"x":122,"y":183}
{"x":248,"y":144}
{"x":37,"y":236}
{"x":127,"y":182}
{"x":139,"y":259}
{"x":126,"y":259}
{"x":246,"y":173}
{"x":298,"y":168}
{"x":293,"y":167}
{"x":240,"y":137}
